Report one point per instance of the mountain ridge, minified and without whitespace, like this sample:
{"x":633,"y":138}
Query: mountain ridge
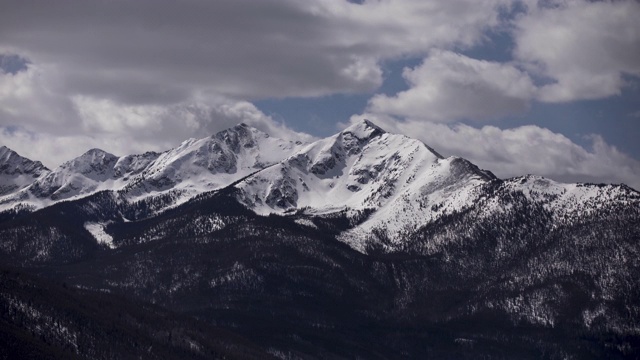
{"x":135,"y":164}
{"x":193,"y":167}
{"x":376,"y":179}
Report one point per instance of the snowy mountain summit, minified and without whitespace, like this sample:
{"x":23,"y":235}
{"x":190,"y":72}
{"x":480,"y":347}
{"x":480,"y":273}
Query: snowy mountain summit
{"x":16,"y":171}
{"x":365,"y":170}
{"x":362,"y":167}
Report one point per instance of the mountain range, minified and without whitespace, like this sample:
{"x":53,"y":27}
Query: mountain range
{"x":363,"y":244}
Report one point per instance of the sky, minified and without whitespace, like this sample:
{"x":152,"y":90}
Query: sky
{"x":549,"y":87}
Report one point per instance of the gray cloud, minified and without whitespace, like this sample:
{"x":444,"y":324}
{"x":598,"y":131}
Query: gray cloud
{"x":129,"y":49}
{"x":162,"y":51}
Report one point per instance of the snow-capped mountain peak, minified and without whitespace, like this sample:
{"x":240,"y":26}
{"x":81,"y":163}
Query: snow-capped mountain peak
{"x":364,"y":130}
{"x":11,"y":163}
{"x":96,"y":164}
{"x":80,"y":176}
{"x":362,"y":167}
{"x":239,"y":136}
{"x":16,"y":171}
{"x":212,"y":162}
{"x":133,"y":164}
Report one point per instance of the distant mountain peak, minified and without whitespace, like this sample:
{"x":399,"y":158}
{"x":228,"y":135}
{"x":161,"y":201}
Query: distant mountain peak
{"x":238,"y":136}
{"x":93,"y":161}
{"x":91,"y":157}
{"x":16,"y":171}
{"x":364,"y":130}
{"x":96,"y":152}
{"x":9,"y":156}
{"x":13,"y":163}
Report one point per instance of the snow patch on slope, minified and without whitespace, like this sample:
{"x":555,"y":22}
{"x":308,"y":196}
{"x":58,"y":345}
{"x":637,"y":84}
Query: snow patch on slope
{"x":101,"y":236}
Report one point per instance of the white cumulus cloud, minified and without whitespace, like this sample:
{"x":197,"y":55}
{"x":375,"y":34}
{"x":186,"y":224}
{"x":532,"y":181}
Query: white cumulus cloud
{"x":50,"y":126}
{"x":448,"y":87}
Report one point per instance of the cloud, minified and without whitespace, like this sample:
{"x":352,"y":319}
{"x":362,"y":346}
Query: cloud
{"x":583,"y":48}
{"x":130,"y":76}
{"x":45,"y":124}
{"x":521,"y":150}
{"x":447,"y":87}
{"x":150,"y":52}
{"x":163,"y":51}
{"x":388,"y":29}
{"x":35,"y":98}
